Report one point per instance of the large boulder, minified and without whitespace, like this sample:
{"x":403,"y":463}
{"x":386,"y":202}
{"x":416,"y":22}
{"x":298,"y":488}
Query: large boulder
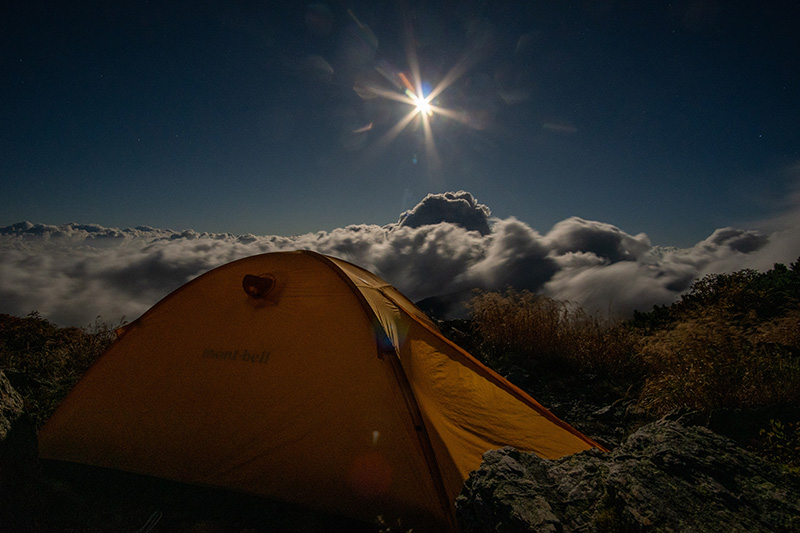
{"x":667,"y":476}
{"x":10,"y":405}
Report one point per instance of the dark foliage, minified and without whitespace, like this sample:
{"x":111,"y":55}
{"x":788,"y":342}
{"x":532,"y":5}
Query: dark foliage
{"x":745,"y":296}
{"x":44,"y":361}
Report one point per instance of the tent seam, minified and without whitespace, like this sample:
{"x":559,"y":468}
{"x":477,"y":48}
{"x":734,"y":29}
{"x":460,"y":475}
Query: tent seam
{"x":414,"y":411}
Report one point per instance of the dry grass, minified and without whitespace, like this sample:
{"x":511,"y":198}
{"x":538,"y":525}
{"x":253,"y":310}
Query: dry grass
{"x":527,"y":330}
{"x":710,"y":362}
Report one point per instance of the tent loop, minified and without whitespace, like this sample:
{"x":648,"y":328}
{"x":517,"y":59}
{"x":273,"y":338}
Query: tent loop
{"x":258,"y":287}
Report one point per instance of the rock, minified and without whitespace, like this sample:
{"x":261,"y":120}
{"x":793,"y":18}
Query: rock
{"x":10,"y":405}
{"x":667,"y":476}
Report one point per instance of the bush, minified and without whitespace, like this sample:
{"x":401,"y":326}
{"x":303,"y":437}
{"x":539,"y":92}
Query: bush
{"x":780,"y":443}
{"x":44,"y":361}
{"x":745,"y":296}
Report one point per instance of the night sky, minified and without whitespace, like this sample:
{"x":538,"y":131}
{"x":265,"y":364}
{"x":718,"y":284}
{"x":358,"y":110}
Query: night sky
{"x":671,"y":119}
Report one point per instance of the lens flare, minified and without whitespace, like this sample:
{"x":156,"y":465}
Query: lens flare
{"x":406,"y":87}
{"x":422,"y":105}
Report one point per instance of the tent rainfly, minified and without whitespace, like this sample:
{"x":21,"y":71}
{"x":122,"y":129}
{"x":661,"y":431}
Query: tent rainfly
{"x":300,"y":378}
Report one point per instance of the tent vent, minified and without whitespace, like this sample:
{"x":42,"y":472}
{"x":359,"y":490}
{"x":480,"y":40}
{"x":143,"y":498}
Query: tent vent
{"x":258,"y":286}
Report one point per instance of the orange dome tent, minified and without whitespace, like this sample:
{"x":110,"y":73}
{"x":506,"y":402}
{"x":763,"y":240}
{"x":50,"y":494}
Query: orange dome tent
{"x":302,"y":378}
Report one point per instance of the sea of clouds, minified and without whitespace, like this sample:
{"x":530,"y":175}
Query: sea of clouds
{"x":447,"y":244}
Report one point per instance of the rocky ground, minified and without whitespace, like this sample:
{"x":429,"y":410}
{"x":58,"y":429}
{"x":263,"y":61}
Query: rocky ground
{"x":683,"y":472}
{"x":669,"y":475}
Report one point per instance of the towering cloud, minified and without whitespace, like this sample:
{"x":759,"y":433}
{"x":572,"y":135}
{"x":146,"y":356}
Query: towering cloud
{"x":446,"y":244}
{"x":459,"y":208}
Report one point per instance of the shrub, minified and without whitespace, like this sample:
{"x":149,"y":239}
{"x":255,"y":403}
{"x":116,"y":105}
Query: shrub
{"x":780,"y":443}
{"x":746,"y":296}
{"x":44,"y":361}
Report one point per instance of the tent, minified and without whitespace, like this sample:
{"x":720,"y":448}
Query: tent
{"x":305,"y":379}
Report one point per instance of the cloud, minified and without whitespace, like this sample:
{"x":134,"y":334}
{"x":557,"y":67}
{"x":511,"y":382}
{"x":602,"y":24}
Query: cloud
{"x":514,"y":255}
{"x":615,"y":273}
{"x":603,"y":240}
{"x":459,"y":208}
{"x":447,"y":244}
{"x":617,"y":289}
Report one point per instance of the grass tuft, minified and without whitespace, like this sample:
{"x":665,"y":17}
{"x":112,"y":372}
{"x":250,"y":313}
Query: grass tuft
{"x":532,"y":332}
